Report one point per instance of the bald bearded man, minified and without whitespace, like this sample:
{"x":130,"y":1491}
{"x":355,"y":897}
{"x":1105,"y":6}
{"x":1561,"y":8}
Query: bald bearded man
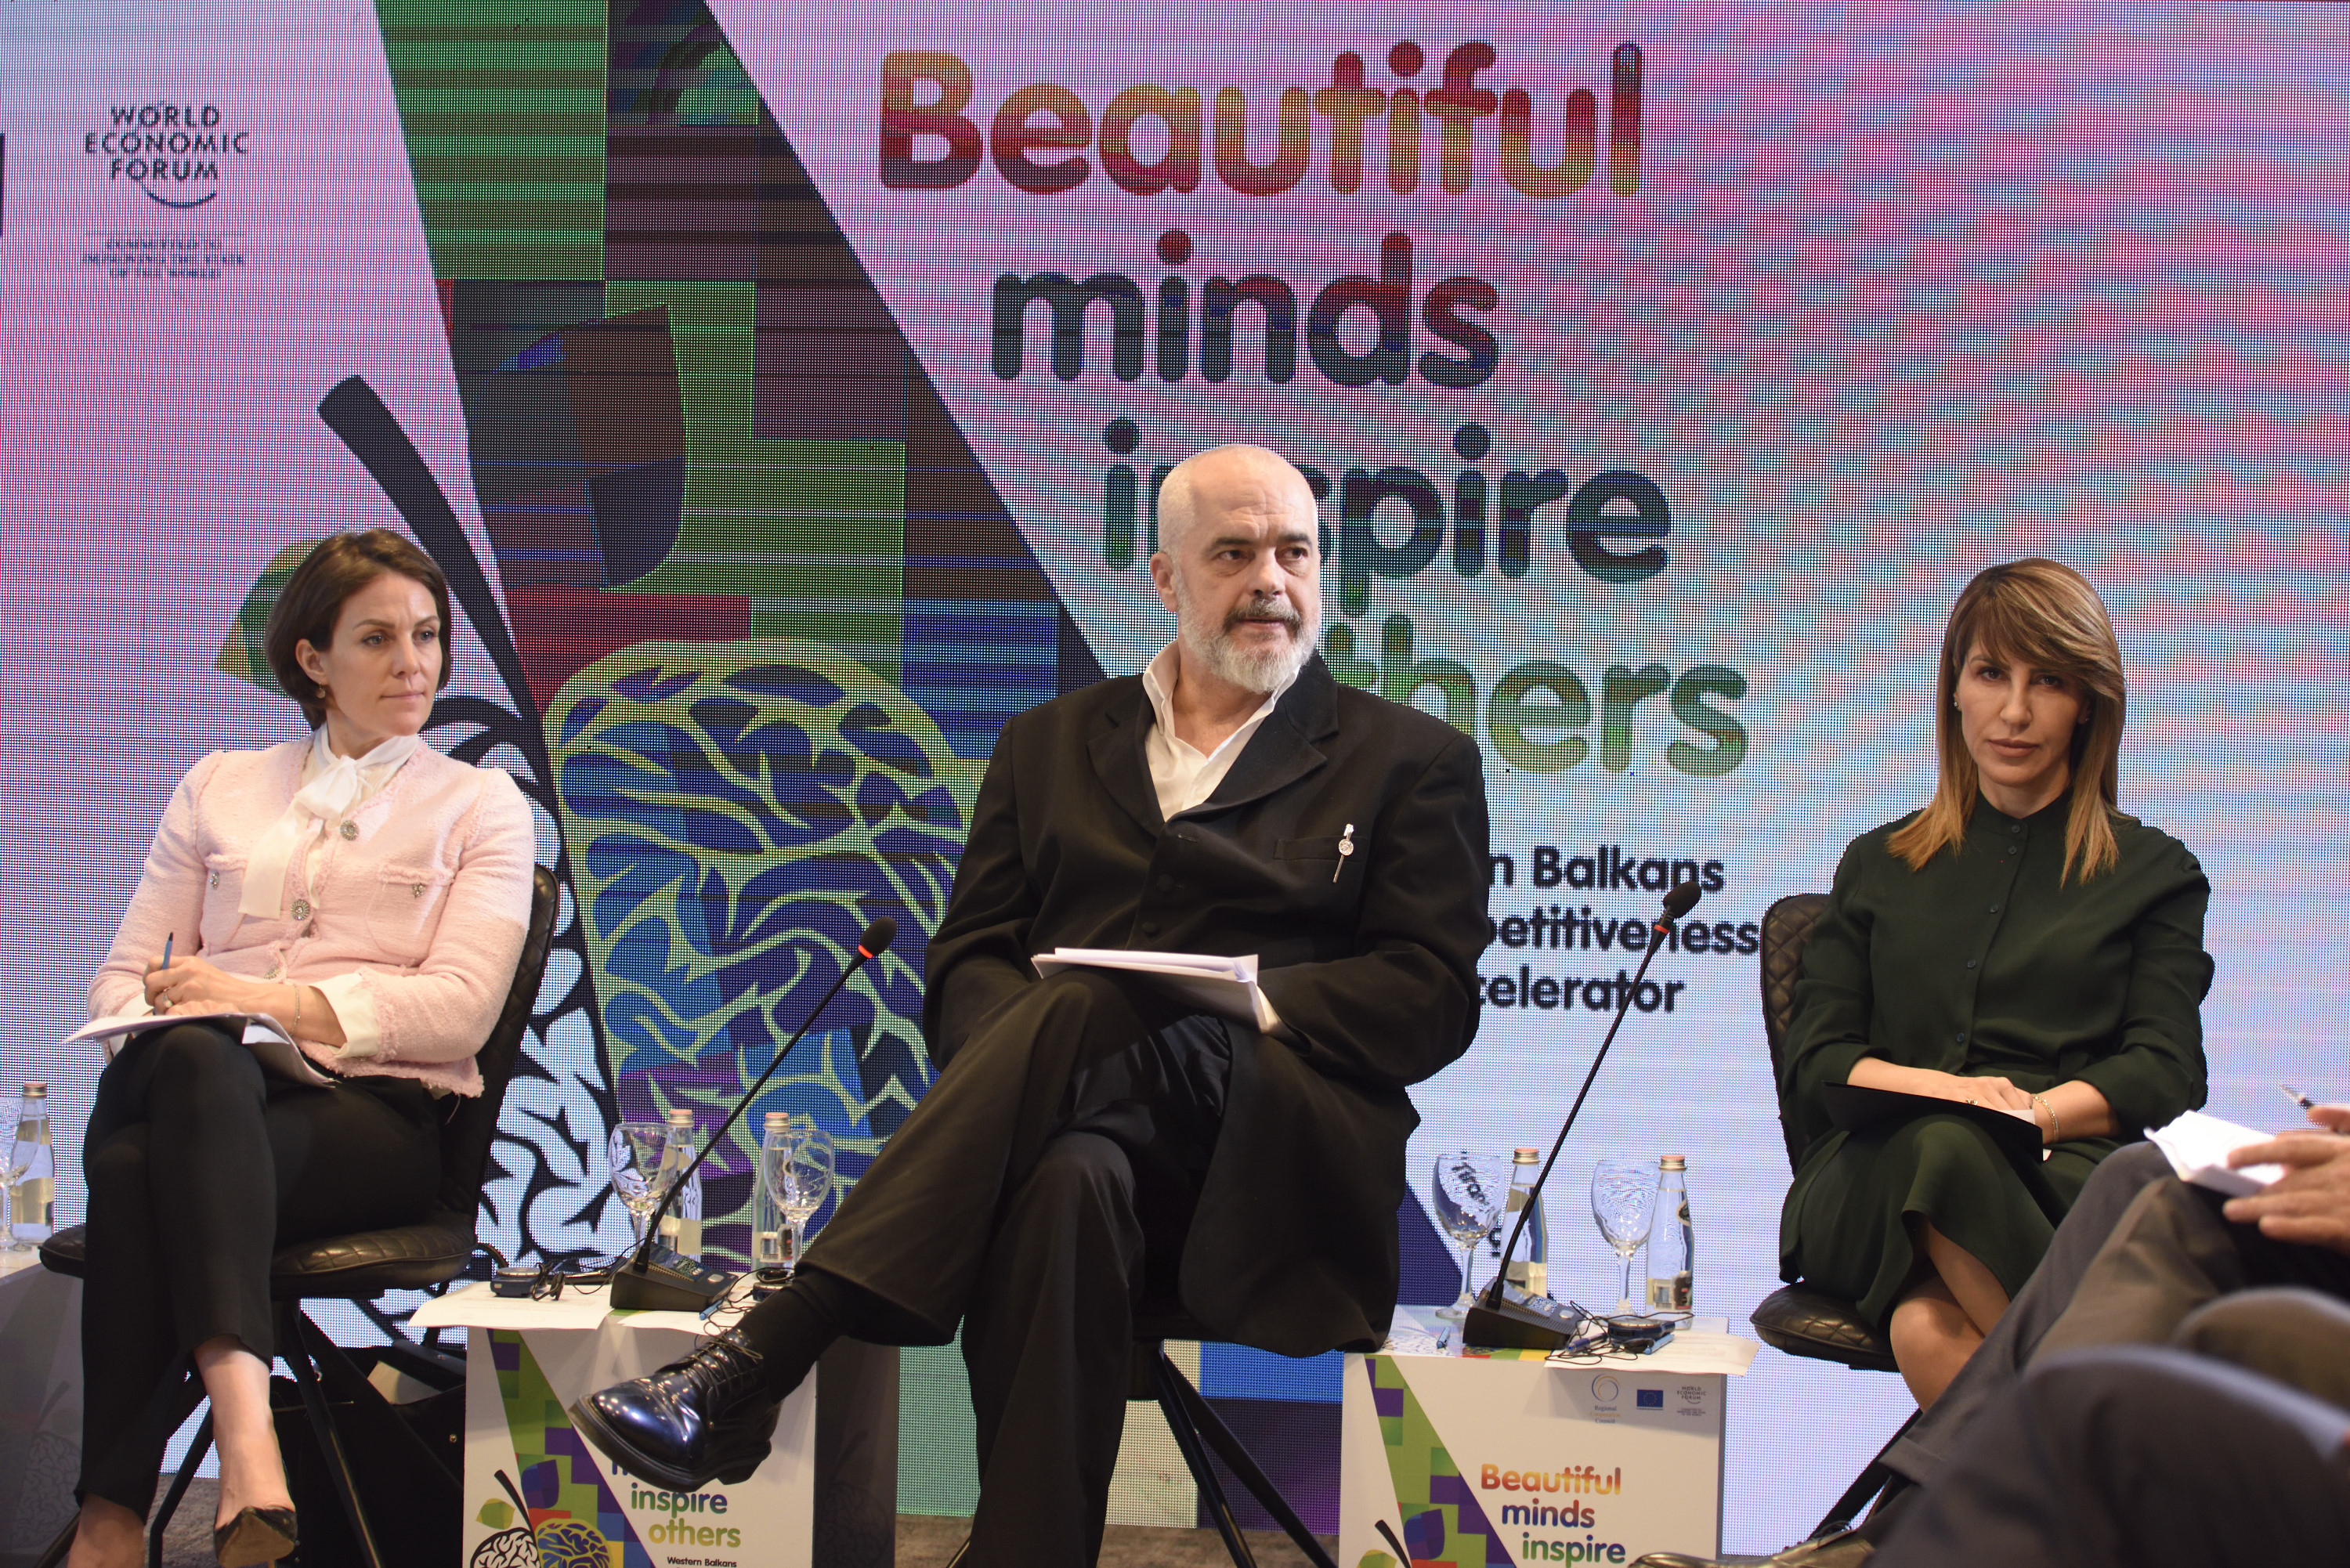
{"x":1093,"y":1144}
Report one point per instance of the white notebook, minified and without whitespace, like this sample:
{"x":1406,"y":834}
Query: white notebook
{"x":262,"y":1036}
{"x":1213,"y":983}
{"x":2198,"y":1147}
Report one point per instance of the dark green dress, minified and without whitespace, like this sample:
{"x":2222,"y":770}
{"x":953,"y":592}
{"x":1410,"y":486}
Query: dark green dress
{"x":1984,"y":962}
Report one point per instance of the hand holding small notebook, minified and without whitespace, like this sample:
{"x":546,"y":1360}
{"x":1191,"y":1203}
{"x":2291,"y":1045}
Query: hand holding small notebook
{"x":2198,"y":1147}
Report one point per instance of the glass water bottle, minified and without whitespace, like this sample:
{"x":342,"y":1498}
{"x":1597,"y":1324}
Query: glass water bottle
{"x":681,"y":1228}
{"x":1672,"y":1242}
{"x":32,"y":1196}
{"x":1530,"y":1264}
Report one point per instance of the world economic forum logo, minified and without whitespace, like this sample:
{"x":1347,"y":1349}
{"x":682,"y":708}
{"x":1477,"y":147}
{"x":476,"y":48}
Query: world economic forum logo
{"x":174,"y":152}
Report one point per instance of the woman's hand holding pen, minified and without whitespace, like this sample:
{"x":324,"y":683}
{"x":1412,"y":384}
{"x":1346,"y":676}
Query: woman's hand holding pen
{"x":186,"y":984}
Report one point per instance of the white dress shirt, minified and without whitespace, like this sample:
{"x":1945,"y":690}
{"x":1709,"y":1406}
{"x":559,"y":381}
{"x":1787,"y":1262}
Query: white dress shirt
{"x":1183,"y":776}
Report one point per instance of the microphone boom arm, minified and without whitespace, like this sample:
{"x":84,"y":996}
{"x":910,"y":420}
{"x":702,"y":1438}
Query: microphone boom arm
{"x":1658,"y":928}
{"x":652,"y":1226}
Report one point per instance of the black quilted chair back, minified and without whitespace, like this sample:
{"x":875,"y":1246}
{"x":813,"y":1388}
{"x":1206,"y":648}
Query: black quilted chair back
{"x":1786,"y":927}
{"x":466,"y":1136}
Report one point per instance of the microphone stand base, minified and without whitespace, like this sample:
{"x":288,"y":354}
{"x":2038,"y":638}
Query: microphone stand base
{"x":666,"y":1281}
{"x":1507,"y":1318}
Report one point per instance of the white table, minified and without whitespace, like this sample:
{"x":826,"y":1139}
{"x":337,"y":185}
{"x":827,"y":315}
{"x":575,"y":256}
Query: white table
{"x":40,"y":1401}
{"x":526,"y":1361}
{"x":1597,"y":1461}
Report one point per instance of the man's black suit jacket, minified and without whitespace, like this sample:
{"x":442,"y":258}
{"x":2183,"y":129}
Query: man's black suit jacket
{"x":1370,"y":959}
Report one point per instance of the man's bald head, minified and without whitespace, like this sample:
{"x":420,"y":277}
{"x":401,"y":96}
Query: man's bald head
{"x":1234,"y":478}
{"x":1240,"y":565}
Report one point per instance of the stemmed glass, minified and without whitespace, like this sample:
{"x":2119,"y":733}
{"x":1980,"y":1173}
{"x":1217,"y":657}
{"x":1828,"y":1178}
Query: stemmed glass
{"x":798,"y":1172}
{"x":635,"y":1151}
{"x":1623,"y":1203}
{"x":1469,"y":1189}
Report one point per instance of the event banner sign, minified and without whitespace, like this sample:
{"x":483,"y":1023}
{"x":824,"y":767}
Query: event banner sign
{"x":536,"y":1492}
{"x":1510,"y":1461}
{"x":786,"y":390}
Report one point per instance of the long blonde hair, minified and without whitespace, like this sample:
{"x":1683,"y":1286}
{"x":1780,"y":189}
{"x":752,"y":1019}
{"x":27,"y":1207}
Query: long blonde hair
{"x":2045,"y":614}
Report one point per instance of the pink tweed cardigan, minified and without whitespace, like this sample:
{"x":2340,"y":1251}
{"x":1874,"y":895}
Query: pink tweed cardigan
{"x":416,"y":906}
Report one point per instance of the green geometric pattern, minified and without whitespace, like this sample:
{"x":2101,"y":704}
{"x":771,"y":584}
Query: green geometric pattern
{"x":1443,"y":1525}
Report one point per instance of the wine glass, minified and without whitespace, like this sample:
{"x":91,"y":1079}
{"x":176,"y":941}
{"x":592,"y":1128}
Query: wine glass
{"x":1623,"y":1203}
{"x":798,"y":1171}
{"x":1469,"y":1189}
{"x":635,"y":1152}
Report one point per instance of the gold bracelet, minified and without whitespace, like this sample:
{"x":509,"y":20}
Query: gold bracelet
{"x":298,"y":1007}
{"x":2055,"y":1127}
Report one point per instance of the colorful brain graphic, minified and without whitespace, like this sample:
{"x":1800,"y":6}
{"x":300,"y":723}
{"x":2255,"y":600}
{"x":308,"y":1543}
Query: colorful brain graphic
{"x":572,"y":1543}
{"x":506,"y":1549}
{"x":737,"y":813}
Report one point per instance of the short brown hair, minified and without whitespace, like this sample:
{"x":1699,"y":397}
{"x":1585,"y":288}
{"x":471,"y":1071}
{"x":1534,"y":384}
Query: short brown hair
{"x":2047,"y":613}
{"x":312,"y":601}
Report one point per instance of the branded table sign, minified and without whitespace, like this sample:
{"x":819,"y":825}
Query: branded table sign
{"x":538,"y":1492}
{"x":1499,"y":1458}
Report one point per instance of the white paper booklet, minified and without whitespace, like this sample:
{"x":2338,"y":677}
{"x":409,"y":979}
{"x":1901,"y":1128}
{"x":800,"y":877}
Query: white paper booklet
{"x":263,"y":1037}
{"x":1213,"y":983}
{"x":2198,"y":1147}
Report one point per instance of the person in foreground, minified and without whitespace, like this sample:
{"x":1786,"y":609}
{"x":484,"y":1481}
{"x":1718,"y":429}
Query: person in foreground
{"x":368,"y":894}
{"x":2020,"y":944}
{"x":2172,"y":1386}
{"x":1092,"y":1145}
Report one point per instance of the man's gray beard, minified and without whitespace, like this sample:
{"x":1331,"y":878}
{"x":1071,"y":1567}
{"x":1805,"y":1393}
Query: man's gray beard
{"x":1250,"y":669}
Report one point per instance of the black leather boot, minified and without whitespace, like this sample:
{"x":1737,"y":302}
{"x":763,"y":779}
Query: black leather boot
{"x":706,"y":1417}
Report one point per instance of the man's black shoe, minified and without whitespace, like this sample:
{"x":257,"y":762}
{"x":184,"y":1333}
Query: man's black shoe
{"x":1846,"y":1548}
{"x":706,"y":1417}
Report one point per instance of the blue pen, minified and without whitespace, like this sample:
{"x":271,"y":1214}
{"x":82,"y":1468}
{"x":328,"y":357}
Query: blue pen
{"x":168,"y":939}
{"x":2297,"y":1097}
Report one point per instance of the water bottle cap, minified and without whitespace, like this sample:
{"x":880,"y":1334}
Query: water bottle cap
{"x":1672,"y":1162}
{"x":680,"y":1115}
{"x":778,"y":1118}
{"x":1525,"y":1155}
{"x":37,"y":1091}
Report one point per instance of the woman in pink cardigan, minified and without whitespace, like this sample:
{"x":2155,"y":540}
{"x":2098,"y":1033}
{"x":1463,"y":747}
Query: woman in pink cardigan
{"x":369,"y":894}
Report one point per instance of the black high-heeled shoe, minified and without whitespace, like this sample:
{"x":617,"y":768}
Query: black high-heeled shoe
{"x":255,"y":1535}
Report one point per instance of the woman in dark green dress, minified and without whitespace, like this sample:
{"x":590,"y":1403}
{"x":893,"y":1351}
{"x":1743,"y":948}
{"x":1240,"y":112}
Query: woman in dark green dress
{"x":2019,"y":943}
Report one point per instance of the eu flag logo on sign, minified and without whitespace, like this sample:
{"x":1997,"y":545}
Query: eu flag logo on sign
{"x":1648,"y":1398}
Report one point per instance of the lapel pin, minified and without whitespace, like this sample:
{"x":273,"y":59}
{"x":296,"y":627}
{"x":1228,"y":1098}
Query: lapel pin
{"x":1345,"y":847}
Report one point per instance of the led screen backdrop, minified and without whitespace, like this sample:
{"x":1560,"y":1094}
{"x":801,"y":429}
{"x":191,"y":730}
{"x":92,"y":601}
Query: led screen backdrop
{"x":784,"y":389}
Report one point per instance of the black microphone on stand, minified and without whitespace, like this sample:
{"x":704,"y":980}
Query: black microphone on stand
{"x":1505,"y":1317}
{"x":661,"y":1278}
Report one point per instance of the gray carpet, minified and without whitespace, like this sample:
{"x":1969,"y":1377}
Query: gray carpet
{"x":923,"y":1542}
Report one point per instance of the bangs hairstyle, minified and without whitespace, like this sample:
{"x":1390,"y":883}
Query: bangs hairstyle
{"x":312,"y":601}
{"x":2043,"y":614}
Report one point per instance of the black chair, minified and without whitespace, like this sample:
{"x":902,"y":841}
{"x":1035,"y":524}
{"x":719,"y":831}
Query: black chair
{"x":1199,"y":1431}
{"x":1797,"y":1318}
{"x":361,"y":1266}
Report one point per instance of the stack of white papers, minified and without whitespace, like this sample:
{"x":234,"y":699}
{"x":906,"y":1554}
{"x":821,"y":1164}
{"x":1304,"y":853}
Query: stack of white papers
{"x":1220,"y":983}
{"x":2198,"y":1147}
{"x":261,"y":1035}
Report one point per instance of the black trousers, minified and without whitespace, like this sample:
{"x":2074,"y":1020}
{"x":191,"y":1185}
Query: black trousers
{"x":2137,"y":1456}
{"x":199,"y":1166}
{"x":1041,"y":1191}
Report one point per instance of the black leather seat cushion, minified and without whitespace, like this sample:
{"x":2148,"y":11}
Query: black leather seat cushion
{"x":359,"y":1266}
{"x":1802,"y":1321}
